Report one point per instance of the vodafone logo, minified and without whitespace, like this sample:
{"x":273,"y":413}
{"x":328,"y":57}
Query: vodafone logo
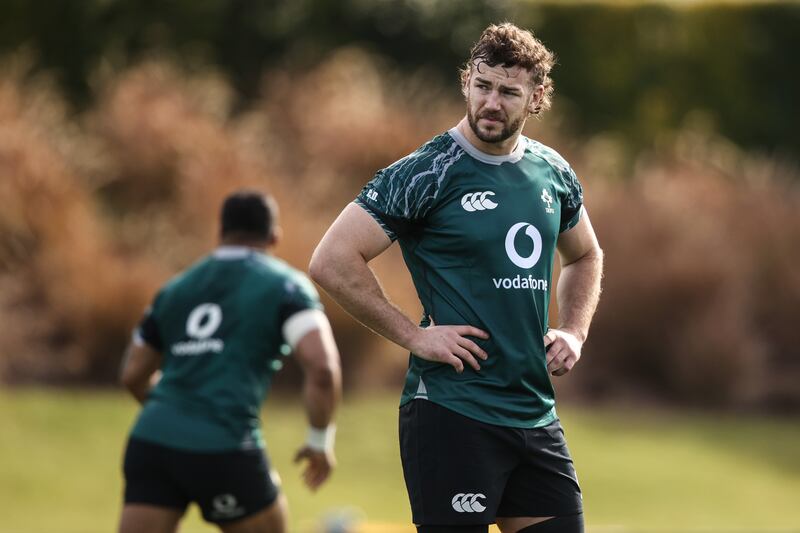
{"x":477,"y":201}
{"x":203,"y":321}
{"x":468,"y":503}
{"x":536,"y":237}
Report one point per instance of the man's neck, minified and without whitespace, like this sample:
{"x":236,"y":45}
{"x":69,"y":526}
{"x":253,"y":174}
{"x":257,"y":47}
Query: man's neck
{"x":501,"y":148}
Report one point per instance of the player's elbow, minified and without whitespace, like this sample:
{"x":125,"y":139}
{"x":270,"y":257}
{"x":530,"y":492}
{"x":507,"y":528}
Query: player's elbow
{"x":129,"y":379}
{"x":322,"y":266}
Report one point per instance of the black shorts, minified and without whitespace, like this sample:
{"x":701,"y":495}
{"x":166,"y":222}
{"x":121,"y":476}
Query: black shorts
{"x":459,"y":471}
{"x":227,"y":486}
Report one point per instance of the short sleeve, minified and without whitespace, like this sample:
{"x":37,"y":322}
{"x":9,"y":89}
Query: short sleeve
{"x":400,"y":196}
{"x":298,"y":294}
{"x":147,"y":331}
{"x":571,"y":199}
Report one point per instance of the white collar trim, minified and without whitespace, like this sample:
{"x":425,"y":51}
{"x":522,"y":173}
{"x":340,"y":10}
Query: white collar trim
{"x":513,"y":157}
{"x":232,"y":252}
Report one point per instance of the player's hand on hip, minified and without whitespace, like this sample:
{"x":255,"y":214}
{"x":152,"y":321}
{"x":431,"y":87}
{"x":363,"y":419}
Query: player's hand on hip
{"x":318,"y":467}
{"x":450,"y":345}
{"x":563,"y":351}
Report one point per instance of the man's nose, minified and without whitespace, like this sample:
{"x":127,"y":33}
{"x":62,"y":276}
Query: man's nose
{"x":493,"y":100}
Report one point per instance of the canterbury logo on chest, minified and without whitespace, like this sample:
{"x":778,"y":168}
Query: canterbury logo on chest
{"x":478,"y":201}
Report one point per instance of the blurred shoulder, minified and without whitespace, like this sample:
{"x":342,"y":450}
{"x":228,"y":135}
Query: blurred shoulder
{"x":274,"y":269}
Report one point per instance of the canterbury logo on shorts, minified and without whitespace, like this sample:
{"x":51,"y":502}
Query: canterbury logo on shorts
{"x":468,"y":503}
{"x":477,"y":201}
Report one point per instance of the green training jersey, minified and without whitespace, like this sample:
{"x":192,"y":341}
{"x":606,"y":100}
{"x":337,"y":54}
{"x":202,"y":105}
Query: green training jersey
{"x":218,"y":326}
{"x":478,"y":234}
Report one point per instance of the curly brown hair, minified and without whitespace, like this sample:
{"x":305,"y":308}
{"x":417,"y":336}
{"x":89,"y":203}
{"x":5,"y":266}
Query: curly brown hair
{"x":508,"y":45}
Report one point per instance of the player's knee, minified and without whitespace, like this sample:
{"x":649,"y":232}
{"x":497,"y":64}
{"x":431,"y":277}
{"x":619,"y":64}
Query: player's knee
{"x":453,"y":529}
{"x":558,"y":524}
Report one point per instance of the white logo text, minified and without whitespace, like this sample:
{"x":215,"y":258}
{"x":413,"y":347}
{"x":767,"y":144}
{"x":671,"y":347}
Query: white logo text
{"x":203,"y":322}
{"x":520,"y":283}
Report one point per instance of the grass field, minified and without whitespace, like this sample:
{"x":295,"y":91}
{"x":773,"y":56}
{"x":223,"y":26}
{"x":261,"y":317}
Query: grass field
{"x":60,"y":458}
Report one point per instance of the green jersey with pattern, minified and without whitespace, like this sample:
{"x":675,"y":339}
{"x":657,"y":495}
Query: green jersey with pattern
{"x":478,"y":234}
{"x":218,"y":326}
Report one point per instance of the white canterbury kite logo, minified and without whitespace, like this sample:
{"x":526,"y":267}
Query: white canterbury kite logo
{"x":477,"y":201}
{"x":468,"y":503}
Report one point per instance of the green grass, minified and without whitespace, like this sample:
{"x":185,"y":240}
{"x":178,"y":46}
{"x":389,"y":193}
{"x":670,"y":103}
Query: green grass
{"x":60,"y":455}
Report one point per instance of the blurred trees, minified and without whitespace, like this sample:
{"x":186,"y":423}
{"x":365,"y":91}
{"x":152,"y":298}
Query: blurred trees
{"x":701,"y":285}
{"x":636,"y":69}
{"x":111,"y":177}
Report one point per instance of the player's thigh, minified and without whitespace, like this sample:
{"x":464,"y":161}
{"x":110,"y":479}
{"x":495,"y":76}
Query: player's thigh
{"x":555,"y":524}
{"x":516,"y":523}
{"x":455,"y":467}
{"x":231,"y":486}
{"x":269,"y":520}
{"x":545,"y":483}
{"x":144,"y":518}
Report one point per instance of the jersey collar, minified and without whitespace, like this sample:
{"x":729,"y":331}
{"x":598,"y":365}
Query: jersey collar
{"x":227,"y":252}
{"x":513,"y":157}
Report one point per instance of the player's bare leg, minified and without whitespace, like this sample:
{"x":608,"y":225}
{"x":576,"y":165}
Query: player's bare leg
{"x":540,"y":524}
{"x":141,"y":518}
{"x":269,"y":520}
{"x":515,"y":523}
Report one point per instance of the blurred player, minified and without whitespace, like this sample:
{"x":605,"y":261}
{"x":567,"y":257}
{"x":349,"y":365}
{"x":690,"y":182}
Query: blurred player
{"x":201,"y":363}
{"x":479,"y":212}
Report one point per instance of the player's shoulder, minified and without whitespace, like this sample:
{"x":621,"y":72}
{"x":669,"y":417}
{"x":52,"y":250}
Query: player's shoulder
{"x":186,"y":275}
{"x":561,"y":169}
{"x":428,"y":162}
{"x":274,"y":270}
{"x":549,"y":155}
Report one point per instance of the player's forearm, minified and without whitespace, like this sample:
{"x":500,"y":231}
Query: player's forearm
{"x":579,"y":292}
{"x":354,"y":286}
{"x":321,"y":394}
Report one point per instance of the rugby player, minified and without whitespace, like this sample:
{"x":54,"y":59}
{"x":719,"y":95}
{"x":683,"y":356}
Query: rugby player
{"x":201,"y":362}
{"x":479,"y":213}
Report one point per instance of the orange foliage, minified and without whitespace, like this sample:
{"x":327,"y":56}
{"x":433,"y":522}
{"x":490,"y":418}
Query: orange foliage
{"x":701,"y":288}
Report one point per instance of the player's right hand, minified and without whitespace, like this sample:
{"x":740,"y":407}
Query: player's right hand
{"x":319,"y":464}
{"x":450,"y":345}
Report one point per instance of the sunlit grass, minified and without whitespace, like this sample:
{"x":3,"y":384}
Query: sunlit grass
{"x":60,"y":455}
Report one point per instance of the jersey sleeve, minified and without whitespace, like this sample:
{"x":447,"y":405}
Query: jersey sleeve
{"x":298,"y":295}
{"x":300,"y":310}
{"x":147,"y":331}
{"x":400,"y":196}
{"x":571,"y":199}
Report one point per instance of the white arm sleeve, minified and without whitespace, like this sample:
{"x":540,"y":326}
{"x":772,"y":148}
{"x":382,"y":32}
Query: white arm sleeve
{"x":301,"y":323}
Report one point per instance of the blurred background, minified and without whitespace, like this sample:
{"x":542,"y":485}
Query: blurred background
{"x":124,"y":123}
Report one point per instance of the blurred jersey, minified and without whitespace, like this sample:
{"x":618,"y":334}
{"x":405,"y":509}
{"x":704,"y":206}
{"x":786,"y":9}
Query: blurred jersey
{"x":478,"y":234}
{"x":219,"y":327}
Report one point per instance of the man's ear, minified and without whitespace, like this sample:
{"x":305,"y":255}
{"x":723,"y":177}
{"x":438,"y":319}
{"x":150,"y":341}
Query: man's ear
{"x":275,"y":238}
{"x":536,"y":98}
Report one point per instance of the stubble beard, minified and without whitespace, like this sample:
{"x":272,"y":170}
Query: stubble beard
{"x":492,"y":138}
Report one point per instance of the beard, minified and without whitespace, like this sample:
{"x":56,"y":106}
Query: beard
{"x":506,"y":132}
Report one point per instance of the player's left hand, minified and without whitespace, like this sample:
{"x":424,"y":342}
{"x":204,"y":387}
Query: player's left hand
{"x":563,"y":351}
{"x":319,"y":465}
